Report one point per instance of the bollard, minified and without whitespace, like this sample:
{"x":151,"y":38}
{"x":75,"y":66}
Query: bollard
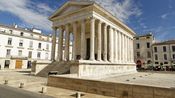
{"x":6,"y":82}
{"x":21,"y":85}
{"x":78,"y":95}
{"x":43,"y":90}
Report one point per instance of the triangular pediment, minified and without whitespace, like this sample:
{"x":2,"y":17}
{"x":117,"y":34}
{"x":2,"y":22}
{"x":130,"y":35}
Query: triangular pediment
{"x":70,"y":6}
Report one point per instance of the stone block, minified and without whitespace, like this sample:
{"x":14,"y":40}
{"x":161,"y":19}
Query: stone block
{"x":142,"y":90}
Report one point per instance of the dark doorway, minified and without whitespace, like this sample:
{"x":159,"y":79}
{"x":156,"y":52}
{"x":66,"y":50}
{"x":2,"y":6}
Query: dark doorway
{"x":139,"y":64}
{"x":7,"y":63}
{"x":29,"y":64}
{"x":87,"y":48}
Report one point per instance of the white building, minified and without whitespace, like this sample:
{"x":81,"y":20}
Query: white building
{"x":143,"y":50}
{"x":19,"y":47}
{"x":164,"y":53}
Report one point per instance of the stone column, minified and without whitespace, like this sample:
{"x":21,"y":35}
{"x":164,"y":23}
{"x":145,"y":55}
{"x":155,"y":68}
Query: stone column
{"x":74,"y":41}
{"x":67,"y":43}
{"x":83,"y":39}
{"x":60,"y":44}
{"x":53,"y":44}
{"x":132,"y":51}
{"x":105,"y":43}
{"x":129,"y":50}
{"x":122,"y":48}
{"x":92,"y":38}
{"x":125,"y":49}
{"x":114,"y":37}
{"x":119,"y":47}
{"x":116,"y":46}
{"x":111,"y":45}
{"x":99,"y":41}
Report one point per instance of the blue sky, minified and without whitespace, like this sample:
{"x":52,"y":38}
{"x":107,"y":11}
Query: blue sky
{"x":143,"y":16}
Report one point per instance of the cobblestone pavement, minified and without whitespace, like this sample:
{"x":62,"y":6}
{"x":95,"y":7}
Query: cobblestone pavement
{"x":35,"y":84}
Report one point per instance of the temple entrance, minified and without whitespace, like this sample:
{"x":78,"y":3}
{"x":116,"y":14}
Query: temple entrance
{"x":87,"y":48}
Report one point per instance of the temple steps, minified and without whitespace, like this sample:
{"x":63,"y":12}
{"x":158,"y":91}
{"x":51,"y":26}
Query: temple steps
{"x":61,"y":67}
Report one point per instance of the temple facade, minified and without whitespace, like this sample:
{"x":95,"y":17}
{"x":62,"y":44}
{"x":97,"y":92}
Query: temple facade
{"x":101,"y":43}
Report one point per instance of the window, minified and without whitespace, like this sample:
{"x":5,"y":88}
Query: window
{"x":31,"y":35}
{"x":156,"y":62}
{"x":165,"y":62}
{"x":31,"y":44}
{"x":39,"y":45}
{"x":137,"y":46}
{"x":137,"y":38}
{"x":148,"y":45}
{"x":21,"y":34}
{"x":11,"y":31}
{"x":155,"y":49}
{"x":8,"y":52}
{"x":148,"y":54}
{"x":9,"y":41}
{"x":156,"y":57}
{"x":165,"y":57}
{"x":138,"y":54}
{"x":174,"y":56}
{"x":147,"y":37}
{"x":47,"y":56}
{"x":30,"y":54}
{"x":19,"y":52}
{"x":173,"y":48}
{"x":21,"y":43}
{"x":47,"y":47}
{"x":164,"y":48}
{"x":38,"y":55}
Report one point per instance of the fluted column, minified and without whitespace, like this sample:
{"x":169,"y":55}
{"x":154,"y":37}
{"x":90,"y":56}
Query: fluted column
{"x":60,"y":44}
{"x":116,"y":46}
{"x":92,"y":38}
{"x":74,"y":41}
{"x":67,"y":43}
{"x":132,"y":51}
{"x":105,"y":43}
{"x":119,"y":49}
{"x":111,"y":44}
{"x":125,"y":49}
{"x":53,"y":44}
{"x":128,"y":49}
{"x":114,"y":37}
{"x":122,"y":48}
{"x":83,"y":39}
{"x":99,"y":41}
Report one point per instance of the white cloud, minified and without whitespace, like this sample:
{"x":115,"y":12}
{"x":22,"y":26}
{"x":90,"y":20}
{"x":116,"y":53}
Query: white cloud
{"x":122,"y":10}
{"x":164,"y":16}
{"x":33,"y":15}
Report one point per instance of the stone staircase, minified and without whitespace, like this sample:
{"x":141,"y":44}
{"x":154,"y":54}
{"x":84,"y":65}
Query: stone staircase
{"x":61,"y":67}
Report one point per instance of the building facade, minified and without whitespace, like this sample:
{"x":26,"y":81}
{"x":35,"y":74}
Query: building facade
{"x":102,"y":44}
{"x":164,"y":53}
{"x":19,"y":47}
{"x":143,"y":50}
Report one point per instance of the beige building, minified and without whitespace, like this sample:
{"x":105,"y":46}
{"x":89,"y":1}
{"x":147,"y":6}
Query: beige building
{"x":101,"y":43}
{"x":164,"y":53}
{"x":143,"y":49}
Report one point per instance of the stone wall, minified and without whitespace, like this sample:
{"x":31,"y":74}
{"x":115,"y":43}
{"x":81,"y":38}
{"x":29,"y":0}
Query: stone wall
{"x":100,"y":68}
{"x":117,"y":90}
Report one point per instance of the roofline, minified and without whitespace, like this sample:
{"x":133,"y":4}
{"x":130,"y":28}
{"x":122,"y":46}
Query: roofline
{"x":115,"y":18}
{"x":67,"y":3}
{"x":21,"y":29}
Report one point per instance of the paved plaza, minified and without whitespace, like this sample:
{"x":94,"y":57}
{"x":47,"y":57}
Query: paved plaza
{"x":34,"y":85}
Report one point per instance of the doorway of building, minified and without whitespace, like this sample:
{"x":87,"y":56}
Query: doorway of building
{"x":7,"y":64}
{"x":29,"y":64}
{"x":18,"y":64}
{"x":87,"y":48}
